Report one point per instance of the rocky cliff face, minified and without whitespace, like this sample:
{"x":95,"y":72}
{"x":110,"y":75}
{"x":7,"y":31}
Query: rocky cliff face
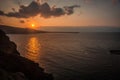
{"x":15,"y":67}
{"x":6,"y":45}
{"x":4,"y":75}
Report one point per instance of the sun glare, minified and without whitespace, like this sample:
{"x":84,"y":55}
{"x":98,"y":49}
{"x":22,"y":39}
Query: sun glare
{"x":32,"y":25}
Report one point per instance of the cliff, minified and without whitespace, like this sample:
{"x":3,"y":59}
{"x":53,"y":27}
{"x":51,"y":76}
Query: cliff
{"x":15,"y":67}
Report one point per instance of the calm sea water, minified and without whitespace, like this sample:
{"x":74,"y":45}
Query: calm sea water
{"x":68,"y":55}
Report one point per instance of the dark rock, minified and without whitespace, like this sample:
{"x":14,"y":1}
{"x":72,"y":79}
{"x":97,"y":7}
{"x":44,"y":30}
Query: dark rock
{"x":12,"y":62}
{"x":6,"y":45}
{"x":16,"y":63}
{"x":117,"y":52}
{"x":4,"y":75}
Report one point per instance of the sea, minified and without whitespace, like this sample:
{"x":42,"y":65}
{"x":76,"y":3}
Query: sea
{"x":72,"y":56}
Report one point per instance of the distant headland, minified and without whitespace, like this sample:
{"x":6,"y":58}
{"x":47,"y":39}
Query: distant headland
{"x":15,"y":30}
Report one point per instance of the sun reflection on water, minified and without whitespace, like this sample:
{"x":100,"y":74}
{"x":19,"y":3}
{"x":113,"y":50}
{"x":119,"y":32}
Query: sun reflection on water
{"x":33,"y":49}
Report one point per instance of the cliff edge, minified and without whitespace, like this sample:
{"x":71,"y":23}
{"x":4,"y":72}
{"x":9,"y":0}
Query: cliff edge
{"x":15,"y":67}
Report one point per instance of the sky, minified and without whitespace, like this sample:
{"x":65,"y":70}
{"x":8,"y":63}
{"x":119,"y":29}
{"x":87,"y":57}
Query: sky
{"x":42,"y":13}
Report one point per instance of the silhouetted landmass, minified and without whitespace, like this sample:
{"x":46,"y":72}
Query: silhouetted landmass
{"x":15,"y":67}
{"x":117,"y":52}
{"x":16,"y":30}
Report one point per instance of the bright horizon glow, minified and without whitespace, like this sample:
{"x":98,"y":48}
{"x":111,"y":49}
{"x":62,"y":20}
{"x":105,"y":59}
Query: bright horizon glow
{"x":91,"y":13}
{"x":33,"y":26}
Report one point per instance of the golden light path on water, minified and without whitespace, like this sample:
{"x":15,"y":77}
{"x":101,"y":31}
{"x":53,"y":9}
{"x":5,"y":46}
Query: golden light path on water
{"x":34,"y":49}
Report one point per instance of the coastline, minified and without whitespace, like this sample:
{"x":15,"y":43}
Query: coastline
{"x":13,"y":66}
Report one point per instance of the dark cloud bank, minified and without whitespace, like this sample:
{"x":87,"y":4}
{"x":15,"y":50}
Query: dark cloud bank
{"x":44,"y":10}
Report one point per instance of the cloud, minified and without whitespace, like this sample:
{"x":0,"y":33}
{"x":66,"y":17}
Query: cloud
{"x":44,"y":10}
{"x":22,"y":21}
{"x":1,"y":21}
{"x":70,"y":9}
{"x":116,"y":1}
{"x":13,"y":9}
{"x":2,"y":13}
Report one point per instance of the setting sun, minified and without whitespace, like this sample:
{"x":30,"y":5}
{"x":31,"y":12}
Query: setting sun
{"x":33,"y":25}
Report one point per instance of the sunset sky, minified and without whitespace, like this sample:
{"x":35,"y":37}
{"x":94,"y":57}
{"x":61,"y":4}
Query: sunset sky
{"x":26,"y":13}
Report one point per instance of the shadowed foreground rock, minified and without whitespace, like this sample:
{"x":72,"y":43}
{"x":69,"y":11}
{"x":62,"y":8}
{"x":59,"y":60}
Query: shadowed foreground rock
{"x":4,"y":75}
{"x":15,"y":67}
{"x":116,"y":52}
{"x":6,"y":45}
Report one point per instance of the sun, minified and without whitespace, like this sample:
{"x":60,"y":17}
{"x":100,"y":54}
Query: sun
{"x":32,"y":25}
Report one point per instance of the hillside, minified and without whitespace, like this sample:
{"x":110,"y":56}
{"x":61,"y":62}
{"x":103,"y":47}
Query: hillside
{"x":16,"y":30}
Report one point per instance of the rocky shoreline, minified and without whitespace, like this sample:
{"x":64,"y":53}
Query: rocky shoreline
{"x":15,"y":67}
